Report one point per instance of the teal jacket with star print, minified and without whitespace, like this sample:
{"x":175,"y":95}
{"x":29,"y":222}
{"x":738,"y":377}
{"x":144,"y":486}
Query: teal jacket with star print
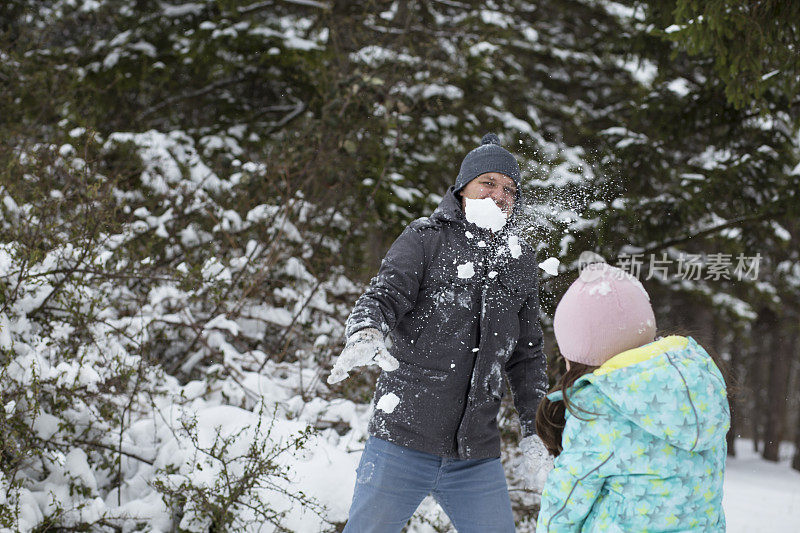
{"x":652,"y":457}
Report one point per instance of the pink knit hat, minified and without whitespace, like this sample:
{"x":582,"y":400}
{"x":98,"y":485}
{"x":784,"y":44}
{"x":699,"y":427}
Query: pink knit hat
{"x":606,"y":311}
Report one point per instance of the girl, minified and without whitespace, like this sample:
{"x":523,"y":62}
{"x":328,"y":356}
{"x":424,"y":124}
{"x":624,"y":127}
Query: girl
{"x":638,"y":425}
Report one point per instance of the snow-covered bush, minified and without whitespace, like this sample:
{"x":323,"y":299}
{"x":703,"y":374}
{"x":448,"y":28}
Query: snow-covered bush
{"x":230,"y":472}
{"x":119,"y":292}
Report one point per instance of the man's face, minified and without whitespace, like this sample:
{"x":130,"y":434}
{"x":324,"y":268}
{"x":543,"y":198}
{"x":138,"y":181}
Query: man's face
{"x":494,"y":185}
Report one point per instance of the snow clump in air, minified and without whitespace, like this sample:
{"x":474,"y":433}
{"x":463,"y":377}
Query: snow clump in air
{"x":388,"y":402}
{"x":550,"y":265}
{"x":514,"y":247}
{"x":466,"y":271}
{"x":485,"y":214}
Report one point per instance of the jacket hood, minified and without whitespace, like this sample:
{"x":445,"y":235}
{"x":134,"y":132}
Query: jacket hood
{"x":670,"y":388}
{"x":449,"y":208}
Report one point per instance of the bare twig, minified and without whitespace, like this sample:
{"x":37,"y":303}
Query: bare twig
{"x":711,"y":230}
{"x":103,"y":446}
{"x":451,"y":3}
{"x":200,"y":92}
{"x":299,"y":107}
{"x":252,"y":8}
{"x":309,"y":3}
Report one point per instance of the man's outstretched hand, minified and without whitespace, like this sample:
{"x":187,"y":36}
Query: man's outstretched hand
{"x":536,"y":460}
{"x":364,"y":347}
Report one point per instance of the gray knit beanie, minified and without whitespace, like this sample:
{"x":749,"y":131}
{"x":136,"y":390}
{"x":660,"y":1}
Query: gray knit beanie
{"x":488,"y":157}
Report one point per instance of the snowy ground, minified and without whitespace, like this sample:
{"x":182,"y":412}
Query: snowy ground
{"x":761,"y":496}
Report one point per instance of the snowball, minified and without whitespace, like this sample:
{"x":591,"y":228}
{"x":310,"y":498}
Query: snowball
{"x":484,"y":213}
{"x":514,"y":247}
{"x":492,"y":274}
{"x":466,"y":271}
{"x":388,"y":402}
{"x":550,"y":265}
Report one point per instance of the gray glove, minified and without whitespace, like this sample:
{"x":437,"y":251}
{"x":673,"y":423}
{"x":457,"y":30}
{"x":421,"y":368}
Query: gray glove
{"x":536,"y":460}
{"x":364,"y":347}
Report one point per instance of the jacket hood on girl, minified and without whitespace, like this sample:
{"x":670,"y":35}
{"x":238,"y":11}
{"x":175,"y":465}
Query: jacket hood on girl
{"x":669,"y":388}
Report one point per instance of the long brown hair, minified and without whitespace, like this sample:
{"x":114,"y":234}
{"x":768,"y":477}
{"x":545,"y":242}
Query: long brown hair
{"x":551,"y":416}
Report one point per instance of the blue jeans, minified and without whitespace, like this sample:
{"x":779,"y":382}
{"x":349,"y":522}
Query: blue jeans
{"x":393,"y":480}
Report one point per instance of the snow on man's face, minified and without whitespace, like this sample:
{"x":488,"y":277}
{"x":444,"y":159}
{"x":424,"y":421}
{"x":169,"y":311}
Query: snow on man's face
{"x":499,"y":187}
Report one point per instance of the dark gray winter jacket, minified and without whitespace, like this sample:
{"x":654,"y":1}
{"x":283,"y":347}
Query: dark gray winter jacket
{"x":455,"y":335}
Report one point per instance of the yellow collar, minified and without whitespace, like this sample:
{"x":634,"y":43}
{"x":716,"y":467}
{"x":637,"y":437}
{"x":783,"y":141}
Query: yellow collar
{"x":642,"y":353}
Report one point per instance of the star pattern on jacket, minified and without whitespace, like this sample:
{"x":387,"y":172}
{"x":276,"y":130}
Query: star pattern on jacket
{"x":652,"y":458}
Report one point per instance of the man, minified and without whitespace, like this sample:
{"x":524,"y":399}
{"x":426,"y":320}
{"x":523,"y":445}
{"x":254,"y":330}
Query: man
{"x":460,"y":303}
